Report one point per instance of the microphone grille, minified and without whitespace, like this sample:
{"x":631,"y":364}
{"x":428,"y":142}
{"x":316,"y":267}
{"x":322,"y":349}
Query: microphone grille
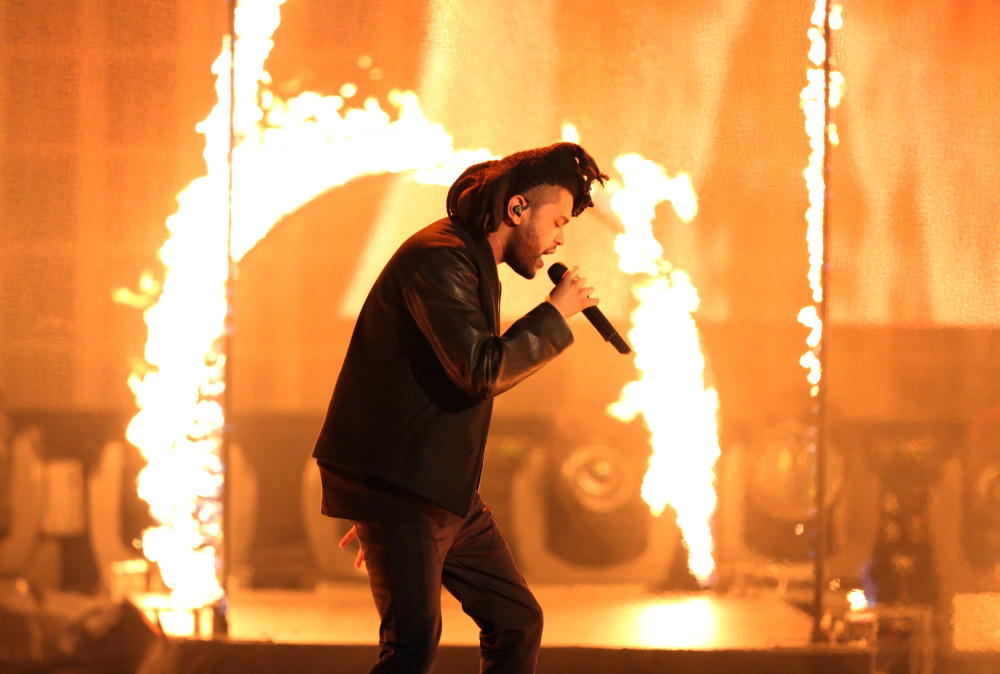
{"x":556,"y":271}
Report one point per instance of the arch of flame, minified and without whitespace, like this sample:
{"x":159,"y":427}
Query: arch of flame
{"x":308,"y":145}
{"x":289,"y":152}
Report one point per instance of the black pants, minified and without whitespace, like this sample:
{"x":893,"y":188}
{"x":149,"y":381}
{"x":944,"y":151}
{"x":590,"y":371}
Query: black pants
{"x":412,"y":553}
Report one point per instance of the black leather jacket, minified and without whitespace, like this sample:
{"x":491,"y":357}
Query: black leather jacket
{"x":413,"y":401}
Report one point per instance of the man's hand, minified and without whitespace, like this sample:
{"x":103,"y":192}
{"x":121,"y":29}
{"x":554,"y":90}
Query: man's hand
{"x":350,"y":536}
{"x":572,"y":294}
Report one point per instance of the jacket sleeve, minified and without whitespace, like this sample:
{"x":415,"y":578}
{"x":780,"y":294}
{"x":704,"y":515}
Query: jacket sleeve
{"x":443,"y":296}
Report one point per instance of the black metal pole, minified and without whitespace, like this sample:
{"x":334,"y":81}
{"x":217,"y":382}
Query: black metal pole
{"x":820,"y":404}
{"x":220,"y":613}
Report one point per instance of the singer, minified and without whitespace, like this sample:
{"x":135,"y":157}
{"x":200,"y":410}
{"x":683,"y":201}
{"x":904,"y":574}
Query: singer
{"x":401,"y":449}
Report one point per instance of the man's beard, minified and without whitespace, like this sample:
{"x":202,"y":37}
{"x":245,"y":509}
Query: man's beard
{"x":525,"y":251}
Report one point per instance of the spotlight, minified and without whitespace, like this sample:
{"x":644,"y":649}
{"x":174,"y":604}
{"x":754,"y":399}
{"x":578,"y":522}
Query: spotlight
{"x":600,"y":478}
{"x":780,"y":492}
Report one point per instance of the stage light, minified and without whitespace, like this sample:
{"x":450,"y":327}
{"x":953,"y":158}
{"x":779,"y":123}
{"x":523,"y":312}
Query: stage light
{"x":601,"y":478}
{"x":780,"y":492}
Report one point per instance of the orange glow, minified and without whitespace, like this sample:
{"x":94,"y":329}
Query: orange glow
{"x":666,"y":624}
{"x":812,"y":100}
{"x":670,"y":392}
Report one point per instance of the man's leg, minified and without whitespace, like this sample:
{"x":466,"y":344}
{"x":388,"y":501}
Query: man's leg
{"x":480,"y":571}
{"x":403,"y":559}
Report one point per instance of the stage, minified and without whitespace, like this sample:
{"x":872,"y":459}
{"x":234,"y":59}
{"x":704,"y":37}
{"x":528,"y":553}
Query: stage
{"x":588,"y":628}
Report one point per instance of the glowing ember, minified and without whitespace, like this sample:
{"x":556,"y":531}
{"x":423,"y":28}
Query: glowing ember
{"x":670,"y":392}
{"x":813,"y":106}
{"x":307,"y":145}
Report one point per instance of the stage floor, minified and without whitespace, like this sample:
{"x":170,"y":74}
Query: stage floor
{"x":605,"y":629}
{"x":602,"y":616}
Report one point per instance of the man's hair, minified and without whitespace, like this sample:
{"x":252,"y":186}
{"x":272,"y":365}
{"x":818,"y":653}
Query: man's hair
{"x":478,"y":200}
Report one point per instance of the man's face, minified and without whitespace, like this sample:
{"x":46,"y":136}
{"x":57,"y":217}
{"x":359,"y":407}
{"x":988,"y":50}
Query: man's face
{"x":541,"y":229}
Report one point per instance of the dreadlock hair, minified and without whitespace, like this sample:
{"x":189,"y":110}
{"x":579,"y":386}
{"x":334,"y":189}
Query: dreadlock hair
{"x":478,"y":200}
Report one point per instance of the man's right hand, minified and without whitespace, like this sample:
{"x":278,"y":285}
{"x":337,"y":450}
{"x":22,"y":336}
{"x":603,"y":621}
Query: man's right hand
{"x":572,"y":294}
{"x":350,"y":536}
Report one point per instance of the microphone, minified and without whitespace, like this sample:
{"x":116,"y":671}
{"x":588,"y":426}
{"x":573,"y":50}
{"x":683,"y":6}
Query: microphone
{"x":596,"y":317}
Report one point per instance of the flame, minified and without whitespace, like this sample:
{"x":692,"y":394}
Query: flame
{"x":814,"y":107}
{"x":288,"y":152}
{"x":670,"y":392}
{"x":857,"y":600}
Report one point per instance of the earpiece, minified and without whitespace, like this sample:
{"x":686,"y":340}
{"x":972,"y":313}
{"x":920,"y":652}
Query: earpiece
{"x":517,"y":210}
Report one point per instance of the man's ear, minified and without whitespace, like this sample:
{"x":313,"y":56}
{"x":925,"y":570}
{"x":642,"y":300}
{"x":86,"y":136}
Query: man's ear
{"x":515,"y":209}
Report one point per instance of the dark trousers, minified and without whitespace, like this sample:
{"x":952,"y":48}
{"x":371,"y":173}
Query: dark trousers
{"x":412,"y":553}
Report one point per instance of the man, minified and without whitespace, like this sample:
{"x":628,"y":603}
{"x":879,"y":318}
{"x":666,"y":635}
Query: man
{"x":401,"y":450}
